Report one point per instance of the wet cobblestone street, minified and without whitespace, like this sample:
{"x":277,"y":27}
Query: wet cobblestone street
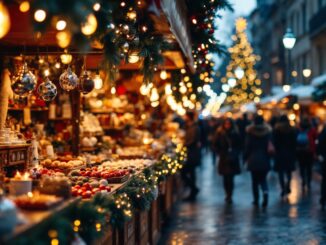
{"x":298,"y":220}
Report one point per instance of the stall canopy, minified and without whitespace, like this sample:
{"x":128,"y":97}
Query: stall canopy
{"x":303,"y":93}
{"x":320,"y":80}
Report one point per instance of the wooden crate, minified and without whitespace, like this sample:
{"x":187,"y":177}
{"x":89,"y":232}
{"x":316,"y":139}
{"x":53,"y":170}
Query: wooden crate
{"x":14,"y":157}
{"x":154,"y":221}
{"x":127,"y":234}
{"x":107,"y":238}
{"x":177,"y":187}
{"x":168,"y":195}
{"x":142,"y":227}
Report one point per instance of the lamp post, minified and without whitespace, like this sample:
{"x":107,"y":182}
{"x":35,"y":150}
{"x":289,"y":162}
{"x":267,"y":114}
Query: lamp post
{"x":289,"y":41}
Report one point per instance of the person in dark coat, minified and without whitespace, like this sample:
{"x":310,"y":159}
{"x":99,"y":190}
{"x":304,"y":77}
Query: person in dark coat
{"x":227,"y":145}
{"x":306,"y":151}
{"x":284,"y":137}
{"x":192,"y":142}
{"x":242,"y":124}
{"x":257,"y":157}
{"x":321,"y":151}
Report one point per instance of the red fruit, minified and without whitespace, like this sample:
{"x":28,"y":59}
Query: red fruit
{"x":77,"y":186}
{"x":108,"y":188}
{"x":102,"y":187}
{"x":95,"y":190}
{"x":74,"y":192}
{"x":87,"y":194}
{"x":80,"y":192}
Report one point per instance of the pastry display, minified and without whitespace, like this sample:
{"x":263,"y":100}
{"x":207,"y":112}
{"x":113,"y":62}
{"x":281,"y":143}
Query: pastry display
{"x":64,"y":163}
{"x":37,"y":201}
{"x":20,"y":184}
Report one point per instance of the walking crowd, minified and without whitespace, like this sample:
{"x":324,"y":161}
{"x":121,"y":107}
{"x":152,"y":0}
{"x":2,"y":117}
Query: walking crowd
{"x":258,"y":147}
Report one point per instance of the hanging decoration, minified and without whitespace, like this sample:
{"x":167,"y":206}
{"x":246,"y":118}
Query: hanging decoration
{"x":24,"y":82}
{"x":86,"y":83}
{"x":47,"y":90}
{"x":4,"y":20}
{"x":68,"y":80}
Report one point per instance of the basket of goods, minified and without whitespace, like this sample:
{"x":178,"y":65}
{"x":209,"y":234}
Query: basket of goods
{"x":65,"y":164}
{"x":37,"y":201}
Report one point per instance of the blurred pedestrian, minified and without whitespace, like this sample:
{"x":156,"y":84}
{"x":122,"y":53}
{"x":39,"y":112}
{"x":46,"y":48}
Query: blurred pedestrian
{"x":257,"y":155}
{"x":242,"y":124}
{"x":306,"y":149}
{"x":284,"y":137}
{"x":192,"y":142}
{"x":321,"y":150}
{"x":227,"y":145}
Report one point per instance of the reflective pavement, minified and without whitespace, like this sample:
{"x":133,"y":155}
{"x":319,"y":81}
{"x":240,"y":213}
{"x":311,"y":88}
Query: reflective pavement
{"x":298,"y":220}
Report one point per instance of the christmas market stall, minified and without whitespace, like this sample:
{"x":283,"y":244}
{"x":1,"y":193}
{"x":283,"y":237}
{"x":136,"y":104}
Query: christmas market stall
{"x":90,"y":151}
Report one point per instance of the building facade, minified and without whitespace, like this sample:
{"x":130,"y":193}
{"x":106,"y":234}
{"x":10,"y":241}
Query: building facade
{"x":268,"y":23}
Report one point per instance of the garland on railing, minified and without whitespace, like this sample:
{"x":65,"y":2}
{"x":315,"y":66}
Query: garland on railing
{"x":123,"y":29}
{"x":88,"y":218}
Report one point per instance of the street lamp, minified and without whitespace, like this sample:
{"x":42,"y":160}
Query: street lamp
{"x":289,"y":41}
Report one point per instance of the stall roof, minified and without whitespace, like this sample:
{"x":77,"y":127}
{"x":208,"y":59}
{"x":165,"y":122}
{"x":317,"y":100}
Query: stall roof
{"x":21,"y":37}
{"x":318,"y":80}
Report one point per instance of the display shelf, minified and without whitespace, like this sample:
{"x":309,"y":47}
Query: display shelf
{"x":34,"y":219}
{"x":59,"y":119}
{"x":40,"y":109}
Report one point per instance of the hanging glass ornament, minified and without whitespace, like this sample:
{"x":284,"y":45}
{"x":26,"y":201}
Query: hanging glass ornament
{"x":47,"y":90}
{"x":68,"y":80}
{"x":86,"y":83}
{"x":24,"y":82}
{"x":125,"y":47}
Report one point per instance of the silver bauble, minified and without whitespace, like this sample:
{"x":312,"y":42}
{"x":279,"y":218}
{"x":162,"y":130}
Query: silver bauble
{"x":125,"y":47}
{"x":24,"y":82}
{"x":68,"y":80}
{"x":86,"y":83}
{"x":47,"y":90}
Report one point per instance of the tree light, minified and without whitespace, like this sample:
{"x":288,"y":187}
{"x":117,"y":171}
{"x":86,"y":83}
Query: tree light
{"x":63,"y":39}
{"x":226,"y":88}
{"x":61,"y":25}
{"x":4,"y":20}
{"x":232,"y":82}
{"x":97,"y":7}
{"x":40,"y":15}
{"x":89,"y":27}
{"x":66,"y":58}
{"x":24,"y":6}
{"x":239,"y":72}
{"x":133,"y":58}
{"x":98,"y":82}
{"x":163,"y":75}
{"x":113,"y":90}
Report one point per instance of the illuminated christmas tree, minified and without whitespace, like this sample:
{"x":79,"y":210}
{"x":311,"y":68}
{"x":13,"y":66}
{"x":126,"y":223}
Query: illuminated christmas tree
{"x":241,"y":83}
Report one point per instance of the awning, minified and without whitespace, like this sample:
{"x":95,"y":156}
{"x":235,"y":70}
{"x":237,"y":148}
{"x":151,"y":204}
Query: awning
{"x":249,"y":107}
{"x":175,"y":12}
{"x":318,"y":80}
{"x":303,"y":93}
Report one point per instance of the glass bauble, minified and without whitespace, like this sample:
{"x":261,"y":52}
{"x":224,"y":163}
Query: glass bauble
{"x":47,"y":90}
{"x":68,"y":80}
{"x":86,"y":83}
{"x":24,"y":82}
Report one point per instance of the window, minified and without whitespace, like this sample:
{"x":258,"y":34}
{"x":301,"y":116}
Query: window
{"x":304,"y":17}
{"x":320,"y":4}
